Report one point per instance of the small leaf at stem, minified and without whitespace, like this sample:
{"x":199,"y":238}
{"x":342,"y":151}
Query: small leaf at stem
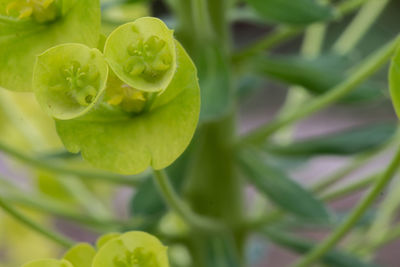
{"x":280,"y":189}
{"x":355,"y":140}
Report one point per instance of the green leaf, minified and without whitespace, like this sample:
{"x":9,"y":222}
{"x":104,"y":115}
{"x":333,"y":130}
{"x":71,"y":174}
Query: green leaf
{"x":49,"y":263}
{"x":21,"y":42}
{"x":73,"y":84}
{"x":316,"y":75}
{"x":132,"y":247}
{"x":332,"y":258}
{"x":280,"y":189}
{"x":215,"y":83}
{"x":394,"y":82}
{"x":298,"y":12}
{"x":350,"y":141}
{"x":80,"y":255}
{"x":114,"y":140}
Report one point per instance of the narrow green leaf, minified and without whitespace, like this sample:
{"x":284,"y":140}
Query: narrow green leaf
{"x":333,"y":258}
{"x":316,"y":75}
{"x":293,"y":12}
{"x":394,"y":82}
{"x":280,"y":189}
{"x":350,"y":141}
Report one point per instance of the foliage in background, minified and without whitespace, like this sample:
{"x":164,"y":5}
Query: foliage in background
{"x":118,"y":104}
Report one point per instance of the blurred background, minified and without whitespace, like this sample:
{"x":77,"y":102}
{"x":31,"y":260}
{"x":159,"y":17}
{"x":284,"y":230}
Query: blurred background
{"x":260,"y":100}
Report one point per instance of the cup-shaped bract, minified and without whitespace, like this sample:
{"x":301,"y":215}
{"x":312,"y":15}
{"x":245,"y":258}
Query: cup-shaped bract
{"x":104,"y":239}
{"x":132,"y":249}
{"x":142,"y":54}
{"x":394,"y":82}
{"x":81,"y":255}
{"x":48,"y":263}
{"x":29,"y":27}
{"x":113,"y":139}
{"x":69,"y":79}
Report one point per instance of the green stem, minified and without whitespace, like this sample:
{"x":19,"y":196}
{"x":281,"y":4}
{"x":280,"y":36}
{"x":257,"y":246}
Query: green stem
{"x":61,"y":240}
{"x":180,"y":207}
{"x":63,"y":169}
{"x":386,"y":213}
{"x":264,"y":220}
{"x":86,"y":198}
{"x":26,"y":125}
{"x":349,"y":6}
{"x":351,"y":188}
{"x":201,"y":19}
{"x":286,"y":33}
{"x":356,"y":163}
{"x":313,"y":40}
{"x":365,"y":70}
{"x":365,"y":18}
{"x":276,"y":215}
{"x":14,"y":195}
{"x":68,"y":213}
{"x":296,"y":96}
{"x":268,"y":42}
{"x":355,"y":215}
{"x":391,"y":235}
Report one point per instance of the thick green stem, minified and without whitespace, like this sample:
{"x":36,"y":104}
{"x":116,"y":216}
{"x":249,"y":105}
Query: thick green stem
{"x":365,"y":70}
{"x":355,"y":215}
{"x":213,"y":187}
{"x":201,"y":19}
{"x":59,"y":239}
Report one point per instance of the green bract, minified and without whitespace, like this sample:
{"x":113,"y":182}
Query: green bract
{"x":132,"y":249}
{"x":74,"y":81}
{"x":142,"y":54}
{"x":394,"y":82}
{"x":49,"y":263}
{"x":81,"y":255}
{"x":124,"y":142}
{"x":29,"y":27}
{"x":102,"y":240}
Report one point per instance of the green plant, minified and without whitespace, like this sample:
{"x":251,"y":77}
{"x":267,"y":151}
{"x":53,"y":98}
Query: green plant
{"x":110,"y":96}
